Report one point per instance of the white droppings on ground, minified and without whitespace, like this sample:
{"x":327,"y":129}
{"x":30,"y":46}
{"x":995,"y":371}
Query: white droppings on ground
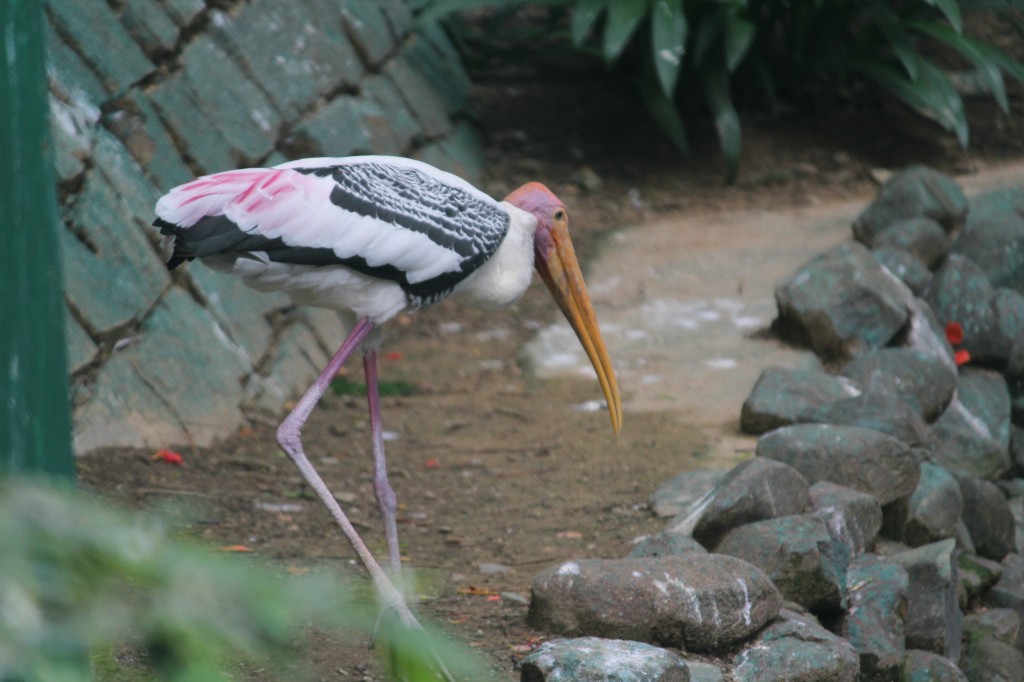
{"x":590,"y":406}
{"x":389,"y":435}
{"x":747,"y":605}
{"x":569,"y":568}
{"x":721,"y":363}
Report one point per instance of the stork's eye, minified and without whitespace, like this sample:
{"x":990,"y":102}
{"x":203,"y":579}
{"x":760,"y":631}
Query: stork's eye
{"x":560,"y":214}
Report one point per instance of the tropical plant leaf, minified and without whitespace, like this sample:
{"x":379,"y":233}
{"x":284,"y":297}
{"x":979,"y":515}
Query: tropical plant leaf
{"x":623,"y":18}
{"x":931,"y":94}
{"x":739,"y":34}
{"x":662,"y":108}
{"x":988,"y":69}
{"x":668,"y":42}
{"x":951,"y":10}
{"x":585,"y":14}
{"x":727,"y":121}
{"x":899,"y":40}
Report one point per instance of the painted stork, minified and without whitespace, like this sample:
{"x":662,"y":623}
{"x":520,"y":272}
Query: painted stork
{"x":369,"y":237}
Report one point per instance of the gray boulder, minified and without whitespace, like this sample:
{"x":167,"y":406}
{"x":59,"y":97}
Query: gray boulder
{"x":960,"y":292}
{"x":1008,"y":593}
{"x":988,"y":518}
{"x":934,"y":619}
{"x":927,"y":666}
{"x":904,"y":266}
{"x":1003,"y":624}
{"x":875,"y":617}
{"x":590,"y":659}
{"x":915,"y":192}
{"x":993,"y":237}
{"x":798,"y":554}
{"x":853,"y":517}
{"x":853,"y":456}
{"x":976,"y":575}
{"x":972,"y":437}
{"x":843,"y":302}
{"x":920,"y":237}
{"x":681,"y":492}
{"x":881,"y":412}
{"x":796,"y":648}
{"x":931,"y":513}
{"x":987,"y":658}
{"x":754,"y":490}
{"x":781,"y":397}
{"x":698,"y":602}
{"x":665,"y":543}
{"x":923,"y":380}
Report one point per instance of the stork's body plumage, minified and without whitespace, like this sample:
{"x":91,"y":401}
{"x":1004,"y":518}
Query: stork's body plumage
{"x":372,"y":236}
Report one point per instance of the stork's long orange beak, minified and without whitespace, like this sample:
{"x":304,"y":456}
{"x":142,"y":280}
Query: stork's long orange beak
{"x":561,"y":272}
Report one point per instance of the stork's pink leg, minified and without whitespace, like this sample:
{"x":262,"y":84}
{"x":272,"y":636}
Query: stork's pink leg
{"x":381,"y":486}
{"x":289,"y":436}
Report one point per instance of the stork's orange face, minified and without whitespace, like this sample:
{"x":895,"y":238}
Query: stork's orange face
{"x":555,"y":260}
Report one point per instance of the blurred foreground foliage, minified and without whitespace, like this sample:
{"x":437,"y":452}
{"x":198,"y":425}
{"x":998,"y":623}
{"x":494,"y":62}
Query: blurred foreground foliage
{"x":693,"y":55}
{"x":90,"y":593}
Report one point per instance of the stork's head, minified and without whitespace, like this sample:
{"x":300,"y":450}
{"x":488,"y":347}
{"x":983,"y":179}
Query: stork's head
{"x":555,"y":260}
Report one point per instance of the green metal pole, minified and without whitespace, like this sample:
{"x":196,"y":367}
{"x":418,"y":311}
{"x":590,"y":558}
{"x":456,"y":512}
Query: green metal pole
{"x":35,"y":415}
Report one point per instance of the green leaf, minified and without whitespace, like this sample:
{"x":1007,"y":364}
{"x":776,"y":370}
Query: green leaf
{"x":739,"y":34}
{"x":727,"y":121}
{"x":623,"y":18}
{"x":585,"y":14}
{"x":977,"y":52}
{"x":899,"y":40}
{"x":662,"y":108}
{"x":951,"y":10}
{"x":931,"y":94}
{"x":668,"y":41}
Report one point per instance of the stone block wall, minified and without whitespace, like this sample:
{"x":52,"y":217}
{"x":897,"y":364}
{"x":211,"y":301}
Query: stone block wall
{"x":147,"y":94}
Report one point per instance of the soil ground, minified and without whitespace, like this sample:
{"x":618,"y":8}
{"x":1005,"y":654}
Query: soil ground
{"x":490,"y":465}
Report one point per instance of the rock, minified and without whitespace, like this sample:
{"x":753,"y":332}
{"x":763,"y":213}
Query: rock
{"x":704,"y":672}
{"x":590,"y":659}
{"x":993,"y":237}
{"x":880,"y":412}
{"x":853,"y":456}
{"x":875,"y":618}
{"x":972,"y":437}
{"x":934,"y":619}
{"x":977,"y":575}
{"x":754,"y":490}
{"x":681,"y":492}
{"x":987,"y":658}
{"x":788,"y":396}
{"x":1008,"y":307}
{"x":914,"y":192}
{"x":798,"y":554}
{"x":960,"y":292}
{"x":853,"y":517}
{"x":1016,"y":505}
{"x":700,"y":602}
{"x":904,"y":266}
{"x":922,"y":238}
{"x":1017,"y":450}
{"x":796,"y":649}
{"x":843,"y":302}
{"x":988,"y":518}
{"x":1008,"y":593}
{"x":923,"y":380}
{"x":926,"y":666}
{"x":931,"y":513}
{"x":1003,"y":624}
{"x":665,"y":543}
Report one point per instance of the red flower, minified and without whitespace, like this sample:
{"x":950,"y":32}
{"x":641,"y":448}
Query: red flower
{"x":168,"y":457}
{"x":955,"y":333}
{"x":962,"y":357}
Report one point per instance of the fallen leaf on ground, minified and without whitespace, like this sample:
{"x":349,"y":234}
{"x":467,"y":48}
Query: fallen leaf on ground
{"x":234,"y":548}
{"x":477,"y":591}
{"x":168,"y":457}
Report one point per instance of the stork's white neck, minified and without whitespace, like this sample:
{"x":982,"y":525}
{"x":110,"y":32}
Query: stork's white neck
{"x":506,"y":276}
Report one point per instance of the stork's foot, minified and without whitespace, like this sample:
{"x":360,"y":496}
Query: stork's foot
{"x":409,"y":642}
